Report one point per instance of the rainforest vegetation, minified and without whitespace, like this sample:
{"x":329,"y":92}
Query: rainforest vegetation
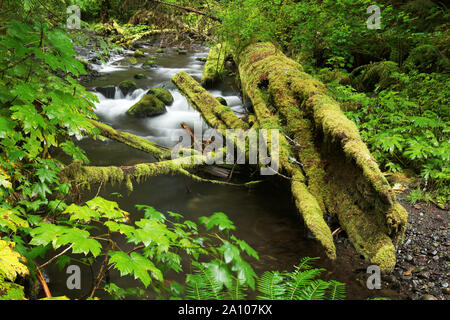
{"x":363,"y":111}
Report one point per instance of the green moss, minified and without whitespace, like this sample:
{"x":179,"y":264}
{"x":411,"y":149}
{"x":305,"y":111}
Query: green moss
{"x":365,"y":203}
{"x":222,"y":101}
{"x":214,"y":68}
{"x":148,"y":106}
{"x":127,"y":86}
{"x":150,"y":63}
{"x":129,"y":139}
{"x":138,"y":54}
{"x":132,"y":60}
{"x":139,"y":76}
{"x":162,"y":94}
{"x":313,"y":217}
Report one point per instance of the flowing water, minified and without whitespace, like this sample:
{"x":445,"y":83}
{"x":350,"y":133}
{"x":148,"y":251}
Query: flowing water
{"x":264,"y":215}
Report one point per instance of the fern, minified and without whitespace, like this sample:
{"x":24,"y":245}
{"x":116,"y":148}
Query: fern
{"x":237,"y":290}
{"x":202,"y":285}
{"x":271,"y":286}
{"x":297,"y":281}
{"x":336,"y":290}
{"x":315,"y":291}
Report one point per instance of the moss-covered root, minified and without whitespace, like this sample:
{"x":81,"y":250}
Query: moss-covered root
{"x":130,"y":139}
{"x":363,"y":231}
{"x":313,"y":216}
{"x":214,"y":113}
{"x":336,"y":127}
{"x":214,"y":68}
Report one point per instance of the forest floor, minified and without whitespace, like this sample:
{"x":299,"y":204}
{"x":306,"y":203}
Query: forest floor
{"x":422,"y":271}
{"x":423,"y":258}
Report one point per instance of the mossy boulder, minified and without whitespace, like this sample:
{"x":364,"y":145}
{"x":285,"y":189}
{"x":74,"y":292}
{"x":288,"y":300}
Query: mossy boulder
{"x":222,"y":101}
{"x":139,"y":76}
{"x":148,"y":106}
{"x":150,"y":63}
{"x":160,"y":50}
{"x":162,"y":94}
{"x":132,"y":60}
{"x":127,"y":86}
{"x":138,"y":54}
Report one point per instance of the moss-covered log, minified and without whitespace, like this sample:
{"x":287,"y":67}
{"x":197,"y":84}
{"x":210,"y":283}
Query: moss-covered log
{"x":214,"y":68}
{"x":84,"y":176}
{"x":131,"y":140}
{"x":222,"y":117}
{"x":215,"y":114}
{"x":341,"y":177}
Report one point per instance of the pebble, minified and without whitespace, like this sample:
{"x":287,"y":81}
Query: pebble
{"x":409,"y":257}
{"x":429,"y":297}
{"x":436,"y":258}
{"x":445,"y":285}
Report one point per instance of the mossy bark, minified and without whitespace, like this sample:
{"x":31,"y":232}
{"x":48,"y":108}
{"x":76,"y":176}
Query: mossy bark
{"x":131,"y":140}
{"x":214,"y":68}
{"x":339,"y":176}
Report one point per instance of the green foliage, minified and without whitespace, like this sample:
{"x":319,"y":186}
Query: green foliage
{"x":406,"y":126}
{"x":207,"y":284}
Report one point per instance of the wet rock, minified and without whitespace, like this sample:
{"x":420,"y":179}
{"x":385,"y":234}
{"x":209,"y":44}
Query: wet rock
{"x":162,"y":94}
{"x":107,"y":91}
{"x":150,"y":63}
{"x":139,"y":76}
{"x":222,"y":101}
{"x":138,"y":54}
{"x":168,"y":85}
{"x":160,"y":50}
{"x":201,"y":59}
{"x":127,"y":86}
{"x":148,"y":106}
{"x":429,"y":297}
{"x":132,"y":60}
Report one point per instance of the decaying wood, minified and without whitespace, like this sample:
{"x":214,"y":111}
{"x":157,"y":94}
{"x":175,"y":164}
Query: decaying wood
{"x":330,"y":168}
{"x":341,"y":175}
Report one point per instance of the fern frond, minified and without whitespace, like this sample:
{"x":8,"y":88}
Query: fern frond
{"x":237,"y":290}
{"x":336,"y":290}
{"x":315,"y":291}
{"x":297,"y":281}
{"x":271,"y":285}
{"x":306,"y":263}
{"x":202,"y":285}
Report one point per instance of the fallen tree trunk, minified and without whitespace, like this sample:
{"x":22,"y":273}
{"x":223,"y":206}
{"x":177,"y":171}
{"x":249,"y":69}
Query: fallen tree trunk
{"x":131,"y":140}
{"x":222,"y":117}
{"x":340,"y":173}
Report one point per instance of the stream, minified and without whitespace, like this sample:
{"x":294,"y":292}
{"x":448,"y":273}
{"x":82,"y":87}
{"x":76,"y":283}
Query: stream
{"x":264,"y":215}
